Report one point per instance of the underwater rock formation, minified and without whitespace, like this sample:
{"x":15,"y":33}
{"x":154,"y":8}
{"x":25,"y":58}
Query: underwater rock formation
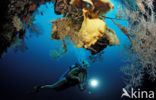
{"x":96,"y":7}
{"x":16,"y":15}
{"x":81,"y":22}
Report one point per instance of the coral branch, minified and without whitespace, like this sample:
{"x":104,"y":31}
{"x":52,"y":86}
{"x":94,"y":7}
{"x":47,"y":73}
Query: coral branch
{"x":124,"y":30}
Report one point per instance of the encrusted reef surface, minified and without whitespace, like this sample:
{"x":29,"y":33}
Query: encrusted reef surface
{"x":15,"y":17}
{"x":84,"y":24}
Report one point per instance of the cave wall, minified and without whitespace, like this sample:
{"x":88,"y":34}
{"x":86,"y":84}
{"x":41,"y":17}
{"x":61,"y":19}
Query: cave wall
{"x":9,"y":9}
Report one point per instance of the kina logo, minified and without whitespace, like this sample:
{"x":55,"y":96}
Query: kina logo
{"x":137,"y":94}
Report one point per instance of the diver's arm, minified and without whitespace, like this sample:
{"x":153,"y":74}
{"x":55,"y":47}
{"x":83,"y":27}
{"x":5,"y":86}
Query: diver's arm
{"x":72,"y":74}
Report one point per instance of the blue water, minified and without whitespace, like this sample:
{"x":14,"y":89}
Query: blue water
{"x":21,"y":71}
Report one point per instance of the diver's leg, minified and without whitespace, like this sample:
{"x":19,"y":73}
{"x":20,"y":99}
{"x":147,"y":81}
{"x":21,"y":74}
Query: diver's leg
{"x":53,"y":86}
{"x":75,"y":78}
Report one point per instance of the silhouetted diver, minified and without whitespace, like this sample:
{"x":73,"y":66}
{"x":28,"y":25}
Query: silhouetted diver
{"x":76,"y":75}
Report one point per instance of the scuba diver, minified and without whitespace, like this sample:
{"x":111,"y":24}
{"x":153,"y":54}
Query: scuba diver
{"x":76,"y":75}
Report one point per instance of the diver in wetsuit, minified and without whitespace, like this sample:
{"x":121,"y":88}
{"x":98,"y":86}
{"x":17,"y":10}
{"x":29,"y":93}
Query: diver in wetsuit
{"x":76,"y":75}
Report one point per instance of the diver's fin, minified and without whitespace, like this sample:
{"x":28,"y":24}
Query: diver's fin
{"x":36,"y":90}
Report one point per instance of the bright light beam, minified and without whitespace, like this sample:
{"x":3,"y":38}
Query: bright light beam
{"x":94,"y":83}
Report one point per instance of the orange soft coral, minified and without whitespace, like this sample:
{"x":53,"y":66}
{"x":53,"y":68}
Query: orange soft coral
{"x":93,"y":29}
